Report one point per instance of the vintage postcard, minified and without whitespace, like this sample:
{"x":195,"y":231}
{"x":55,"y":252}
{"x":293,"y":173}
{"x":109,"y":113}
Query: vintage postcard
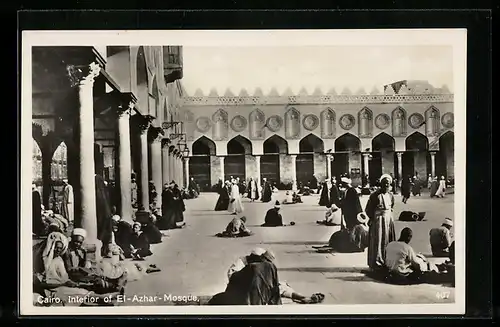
{"x":243,"y":172}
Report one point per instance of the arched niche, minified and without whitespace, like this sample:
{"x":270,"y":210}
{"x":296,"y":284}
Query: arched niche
{"x":59,"y":163}
{"x":399,"y":118}
{"x":311,"y":144}
{"x":37,"y":163}
{"x":220,"y":126}
{"x":142,"y":81}
{"x":203,"y":146}
{"x":416,"y":158}
{"x":365,"y":125}
{"x":383,"y":142}
{"x":292,"y":124}
{"x":239,"y":145}
{"x":257,"y":121}
{"x":327,"y":118}
{"x":275,"y":145}
{"x":432,"y":121}
{"x":347,"y":142}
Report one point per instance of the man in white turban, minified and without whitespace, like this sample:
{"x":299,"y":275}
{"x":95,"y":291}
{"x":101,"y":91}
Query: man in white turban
{"x":441,"y":239}
{"x":77,"y":263}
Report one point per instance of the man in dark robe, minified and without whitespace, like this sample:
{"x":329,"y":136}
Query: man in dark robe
{"x":434,"y":187}
{"x":394,"y":184}
{"x":38,"y":225}
{"x":350,"y":204}
{"x":334,"y":193}
{"x":273,"y":217}
{"x":324,"y":198}
{"x":122,"y":231}
{"x":171,"y":207}
{"x":179,"y":206}
{"x":103,"y":210}
{"x":267,"y":192}
{"x":223,"y":201}
{"x":406,"y":185}
{"x":166,"y":208}
{"x":193,"y":188}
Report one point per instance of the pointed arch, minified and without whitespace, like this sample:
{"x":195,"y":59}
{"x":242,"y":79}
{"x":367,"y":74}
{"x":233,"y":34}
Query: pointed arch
{"x":142,"y":84}
{"x":445,"y":158}
{"x":37,"y":158}
{"x":220,"y":128}
{"x":365,"y":125}
{"x":257,"y":121}
{"x":239,"y":145}
{"x":383,"y":142}
{"x":203,"y":146}
{"x":59,"y":163}
{"x":399,"y":118}
{"x":328,"y":118}
{"x":432,"y":121}
{"x":275,"y":144}
{"x":292,"y":123}
{"x":416,"y":141}
{"x":347,"y":142}
{"x":311,"y":144}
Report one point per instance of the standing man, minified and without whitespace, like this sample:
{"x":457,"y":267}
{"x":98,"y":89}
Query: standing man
{"x":67,"y":207}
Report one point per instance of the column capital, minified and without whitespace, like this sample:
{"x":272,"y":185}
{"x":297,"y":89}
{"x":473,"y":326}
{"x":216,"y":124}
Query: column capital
{"x":155,"y":134}
{"x":293,"y":156}
{"x":82,"y":74}
{"x":142,"y":123}
{"x":126,"y":103}
{"x":399,"y":154}
{"x":433,"y":153}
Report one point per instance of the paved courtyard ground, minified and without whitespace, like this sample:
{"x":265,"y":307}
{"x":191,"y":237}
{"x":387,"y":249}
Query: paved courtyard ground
{"x":195,"y":262}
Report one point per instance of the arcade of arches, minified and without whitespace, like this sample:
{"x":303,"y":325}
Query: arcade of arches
{"x":288,"y":170}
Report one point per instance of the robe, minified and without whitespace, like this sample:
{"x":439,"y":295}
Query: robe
{"x":406,"y":187}
{"x":123,"y":236}
{"x":442,"y":188}
{"x":351,"y":207}
{"x":179,"y":205}
{"x":324,"y":198}
{"x":349,"y":241}
{"x":68,"y":203}
{"x":141,"y":243}
{"x":253,"y":190}
{"x":273,"y":218}
{"x":235,"y":204}
{"x":381,"y":227}
{"x":266,"y":192}
{"x":434,"y":188}
{"x":37,"y":224}
{"x":335,"y":195}
{"x":416,"y":188}
{"x":223,"y":201}
{"x":167,"y":220}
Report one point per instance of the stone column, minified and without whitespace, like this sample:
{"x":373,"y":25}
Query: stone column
{"x":257,"y":172}
{"x":156,"y":164}
{"x":171,"y":165}
{"x":294,"y":172}
{"x":329,"y":166}
{"x":400,"y":165}
{"x":433,"y":164}
{"x":366,"y":163}
{"x":180,"y":170}
{"x":143,"y":197}
{"x":186,"y":170}
{"x":82,"y":78}
{"x":124,"y":161}
{"x":222,"y":169}
{"x":165,"y":161}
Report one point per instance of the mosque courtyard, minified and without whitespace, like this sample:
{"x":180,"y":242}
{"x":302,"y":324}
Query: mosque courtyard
{"x":195,"y":262}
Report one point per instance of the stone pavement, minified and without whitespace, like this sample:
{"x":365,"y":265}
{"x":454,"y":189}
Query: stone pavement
{"x":195,"y":262}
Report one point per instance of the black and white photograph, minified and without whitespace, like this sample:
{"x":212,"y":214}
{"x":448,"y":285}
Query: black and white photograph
{"x":254,"y":172}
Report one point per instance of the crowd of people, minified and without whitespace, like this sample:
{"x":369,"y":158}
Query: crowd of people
{"x":65,"y":266}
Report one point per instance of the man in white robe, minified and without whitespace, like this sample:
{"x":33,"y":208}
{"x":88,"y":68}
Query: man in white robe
{"x":235,"y":204}
{"x":67,"y":207}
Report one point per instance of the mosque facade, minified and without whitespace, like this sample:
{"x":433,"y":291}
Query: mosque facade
{"x":404,"y":129}
{"x":108,"y":111}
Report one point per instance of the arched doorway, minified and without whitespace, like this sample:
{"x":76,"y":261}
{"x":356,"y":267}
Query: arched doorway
{"x":142,"y":82}
{"x":347,"y":157}
{"x":58,"y":172}
{"x":309,"y":147}
{"x":270,"y":161}
{"x":200,"y":162}
{"x":445,"y":158}
{"x":382,"y":162}
{"x":415,"y":158}
{"x":234,"y":164}
{"x":37,"y":164}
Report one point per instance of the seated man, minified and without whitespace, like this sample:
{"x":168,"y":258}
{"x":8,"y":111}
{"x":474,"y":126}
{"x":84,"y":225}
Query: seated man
{"x":402,"y":263}
{"x":273,"y":217}
{"x":75,"y":259}
{"x":288,"y":198}
{"x":296,"y":198}
{"x":440,"y":239}
{"x":348,"y":240}
{"x":329,"y":215}
{"x":236,"y":228}
{"x":259,"y":254}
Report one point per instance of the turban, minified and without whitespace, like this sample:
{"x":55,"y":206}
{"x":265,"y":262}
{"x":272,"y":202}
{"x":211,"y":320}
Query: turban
{"x":277,"y":204}
{"x":258,"y":251}
{"x":346,"y":180}
{"x":448,"y":221}
{"x":384,"y":176}
{"x":79,"y":232}
{"x":362,"y":217}
{"x":116,"y":218}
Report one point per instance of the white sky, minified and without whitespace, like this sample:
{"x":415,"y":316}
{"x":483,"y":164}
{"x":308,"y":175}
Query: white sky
{"x":313,"y":66}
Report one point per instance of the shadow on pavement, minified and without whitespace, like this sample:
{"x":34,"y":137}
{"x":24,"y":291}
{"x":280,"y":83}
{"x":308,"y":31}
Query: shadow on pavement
{"x":326,"y":269}
{"x":295,"y":243}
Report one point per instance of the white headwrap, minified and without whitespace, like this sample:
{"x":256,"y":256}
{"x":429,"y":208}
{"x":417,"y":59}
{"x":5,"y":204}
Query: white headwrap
{"x":448,"y":221}
{"x":79,"y":232}
{"x":258,"y":251}
{"x":48,"y":252}
{"x":346,"y":180}
{"x":116,"y":218}
{"x":385,"y":176}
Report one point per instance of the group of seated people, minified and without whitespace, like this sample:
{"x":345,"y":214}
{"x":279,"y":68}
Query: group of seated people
{"x":237,"y":226}
{"x":253,"y":280}
{"x":63,"y":271}
{"x":292,"y":198}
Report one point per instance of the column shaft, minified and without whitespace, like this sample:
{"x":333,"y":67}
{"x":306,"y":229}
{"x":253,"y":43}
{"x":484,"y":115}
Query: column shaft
{"x":186,"y":171}
{"x":257,"y":170}
{"x":222,"y":168}
{"x":400,"y":166}
{"x":124,"y":166}
{"x":165,"y":161}
{"x":329,"y":167}
{"x":294,"y":172}
{"x":156,"y":169}
{"x":144,"y":183}
{"x":433,"y":164}
{"x":366,"y":163}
